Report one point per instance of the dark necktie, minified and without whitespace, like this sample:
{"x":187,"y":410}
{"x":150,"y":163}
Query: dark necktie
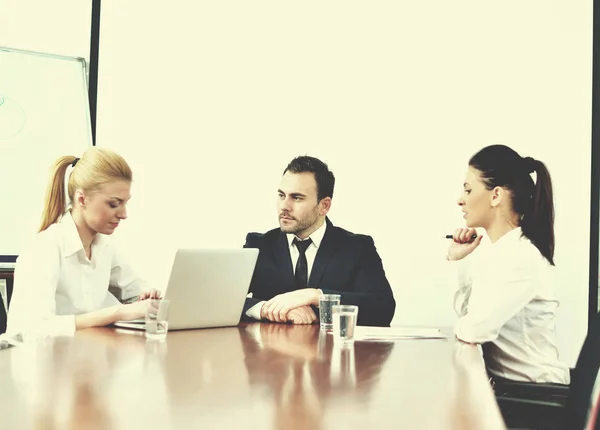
{"x":301,"y":274}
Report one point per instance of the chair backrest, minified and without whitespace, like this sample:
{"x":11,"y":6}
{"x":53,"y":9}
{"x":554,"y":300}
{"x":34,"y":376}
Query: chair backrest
{"x":584,"y":377}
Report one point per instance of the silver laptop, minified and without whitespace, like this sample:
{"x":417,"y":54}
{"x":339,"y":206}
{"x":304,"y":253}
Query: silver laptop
{"x":207,"y":288}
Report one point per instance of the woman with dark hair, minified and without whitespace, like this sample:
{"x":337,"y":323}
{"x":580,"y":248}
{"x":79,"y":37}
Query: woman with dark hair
{"x":505,"y":298}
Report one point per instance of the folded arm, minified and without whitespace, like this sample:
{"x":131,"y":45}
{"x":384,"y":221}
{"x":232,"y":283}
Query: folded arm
{"x":493,"y":305}
{"x":371,"y":291}
{"x":463,"y":290}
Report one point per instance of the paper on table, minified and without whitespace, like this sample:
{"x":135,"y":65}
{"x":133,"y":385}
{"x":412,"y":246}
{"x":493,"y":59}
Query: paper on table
{"x":7,"y":341}
{"x":393,"y":333}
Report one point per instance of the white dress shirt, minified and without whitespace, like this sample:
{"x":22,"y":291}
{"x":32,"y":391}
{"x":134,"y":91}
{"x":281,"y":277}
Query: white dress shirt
{"x":54,"y":281}
{"x":505,"y":299}
{"x":311,"y":253}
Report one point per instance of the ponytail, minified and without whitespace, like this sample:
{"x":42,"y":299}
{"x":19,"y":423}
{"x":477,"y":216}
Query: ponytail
{"x":538,"y":219}
{"x":55,"y":202}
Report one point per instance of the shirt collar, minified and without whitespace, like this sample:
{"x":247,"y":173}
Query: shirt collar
{"x":512,"y":237}
{"x":316,"y":236}
{"x":72,"y":240}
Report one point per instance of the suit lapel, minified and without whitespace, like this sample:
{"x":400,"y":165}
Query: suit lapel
{"x":325,"y":252}
{"x":283,"y":260}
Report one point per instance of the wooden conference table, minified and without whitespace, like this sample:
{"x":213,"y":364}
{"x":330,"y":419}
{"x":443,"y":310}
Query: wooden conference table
{"x":255,"y":376}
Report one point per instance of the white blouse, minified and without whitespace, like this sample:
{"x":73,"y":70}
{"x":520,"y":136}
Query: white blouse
{"x":54,"y":281}
{"x":506,"y":301}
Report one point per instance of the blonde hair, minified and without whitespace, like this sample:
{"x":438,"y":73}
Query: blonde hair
{"x":96,"y":167}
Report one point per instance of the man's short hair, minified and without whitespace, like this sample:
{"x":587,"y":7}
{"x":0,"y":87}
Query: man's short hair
{"x":323,"y":176}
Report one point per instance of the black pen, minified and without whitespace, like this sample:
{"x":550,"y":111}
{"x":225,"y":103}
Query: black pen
{"x":451,"y":236}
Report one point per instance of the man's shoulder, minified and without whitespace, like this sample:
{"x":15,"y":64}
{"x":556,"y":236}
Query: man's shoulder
{"x":342,"y":234}
{"x":256,"y":240}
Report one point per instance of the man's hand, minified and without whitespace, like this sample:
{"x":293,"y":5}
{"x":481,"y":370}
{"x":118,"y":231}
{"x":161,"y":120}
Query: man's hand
{"x":278,"y":307}
{"x":302,"y":315}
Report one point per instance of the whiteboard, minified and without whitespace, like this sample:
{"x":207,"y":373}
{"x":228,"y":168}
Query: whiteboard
{"x":44,"y":114}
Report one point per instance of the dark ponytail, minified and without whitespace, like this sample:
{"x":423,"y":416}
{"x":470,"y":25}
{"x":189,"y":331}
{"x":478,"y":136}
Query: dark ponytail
{"x":538,"y":222}
{"x":501,"y":166}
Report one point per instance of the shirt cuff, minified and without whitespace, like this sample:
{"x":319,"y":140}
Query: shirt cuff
{"x":254,"y":311}
{"x":125,"y":294}
{"x":468,"y":332}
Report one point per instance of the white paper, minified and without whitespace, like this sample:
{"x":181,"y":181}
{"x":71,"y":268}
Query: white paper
{"x":7,"y":341}
{"x":397,"y":333}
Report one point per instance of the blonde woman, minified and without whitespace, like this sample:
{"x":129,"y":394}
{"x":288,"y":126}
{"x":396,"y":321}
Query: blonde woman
{"x":62,"y":279}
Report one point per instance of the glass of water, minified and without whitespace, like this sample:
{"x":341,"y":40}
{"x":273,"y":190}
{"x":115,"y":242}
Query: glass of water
{"x":326,"y":302}
{"x":157,"y":318}
{"x":344,"y":322}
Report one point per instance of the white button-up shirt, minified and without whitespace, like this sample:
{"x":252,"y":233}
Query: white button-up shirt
{"x":55,"y":281}
{"x":311,"y":254}
{"x":506,"y":300}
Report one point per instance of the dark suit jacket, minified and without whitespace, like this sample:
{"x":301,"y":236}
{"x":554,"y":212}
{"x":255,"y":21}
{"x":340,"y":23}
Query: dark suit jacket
{"x":347,"y":264}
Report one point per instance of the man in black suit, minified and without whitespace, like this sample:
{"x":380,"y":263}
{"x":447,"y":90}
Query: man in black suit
{"x":309,"y":256}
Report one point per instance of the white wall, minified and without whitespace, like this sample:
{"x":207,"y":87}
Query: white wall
{"x":55,"y":27}
{"x":209,"y":102}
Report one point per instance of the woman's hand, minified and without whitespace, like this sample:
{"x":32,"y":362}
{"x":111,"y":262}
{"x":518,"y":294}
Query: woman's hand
{"x":462,"y":244}
{"x":150,"y":294}
{"x":132,"y":311}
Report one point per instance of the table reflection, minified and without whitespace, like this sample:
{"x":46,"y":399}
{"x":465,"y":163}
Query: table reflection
{"x":86,"y":380}
{"x":253,"y":376}
{"x":304,"y":370}
{"x":470,"y":390}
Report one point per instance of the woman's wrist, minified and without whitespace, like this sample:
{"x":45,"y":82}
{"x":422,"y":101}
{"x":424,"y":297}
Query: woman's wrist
{"x":98,"y":318}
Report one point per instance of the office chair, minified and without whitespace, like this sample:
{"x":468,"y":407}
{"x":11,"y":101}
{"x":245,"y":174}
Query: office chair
{"x":593,"y":418}
{"x":3,"y":316}
{"x":593,"y":422}
{"x":554,"y":406}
